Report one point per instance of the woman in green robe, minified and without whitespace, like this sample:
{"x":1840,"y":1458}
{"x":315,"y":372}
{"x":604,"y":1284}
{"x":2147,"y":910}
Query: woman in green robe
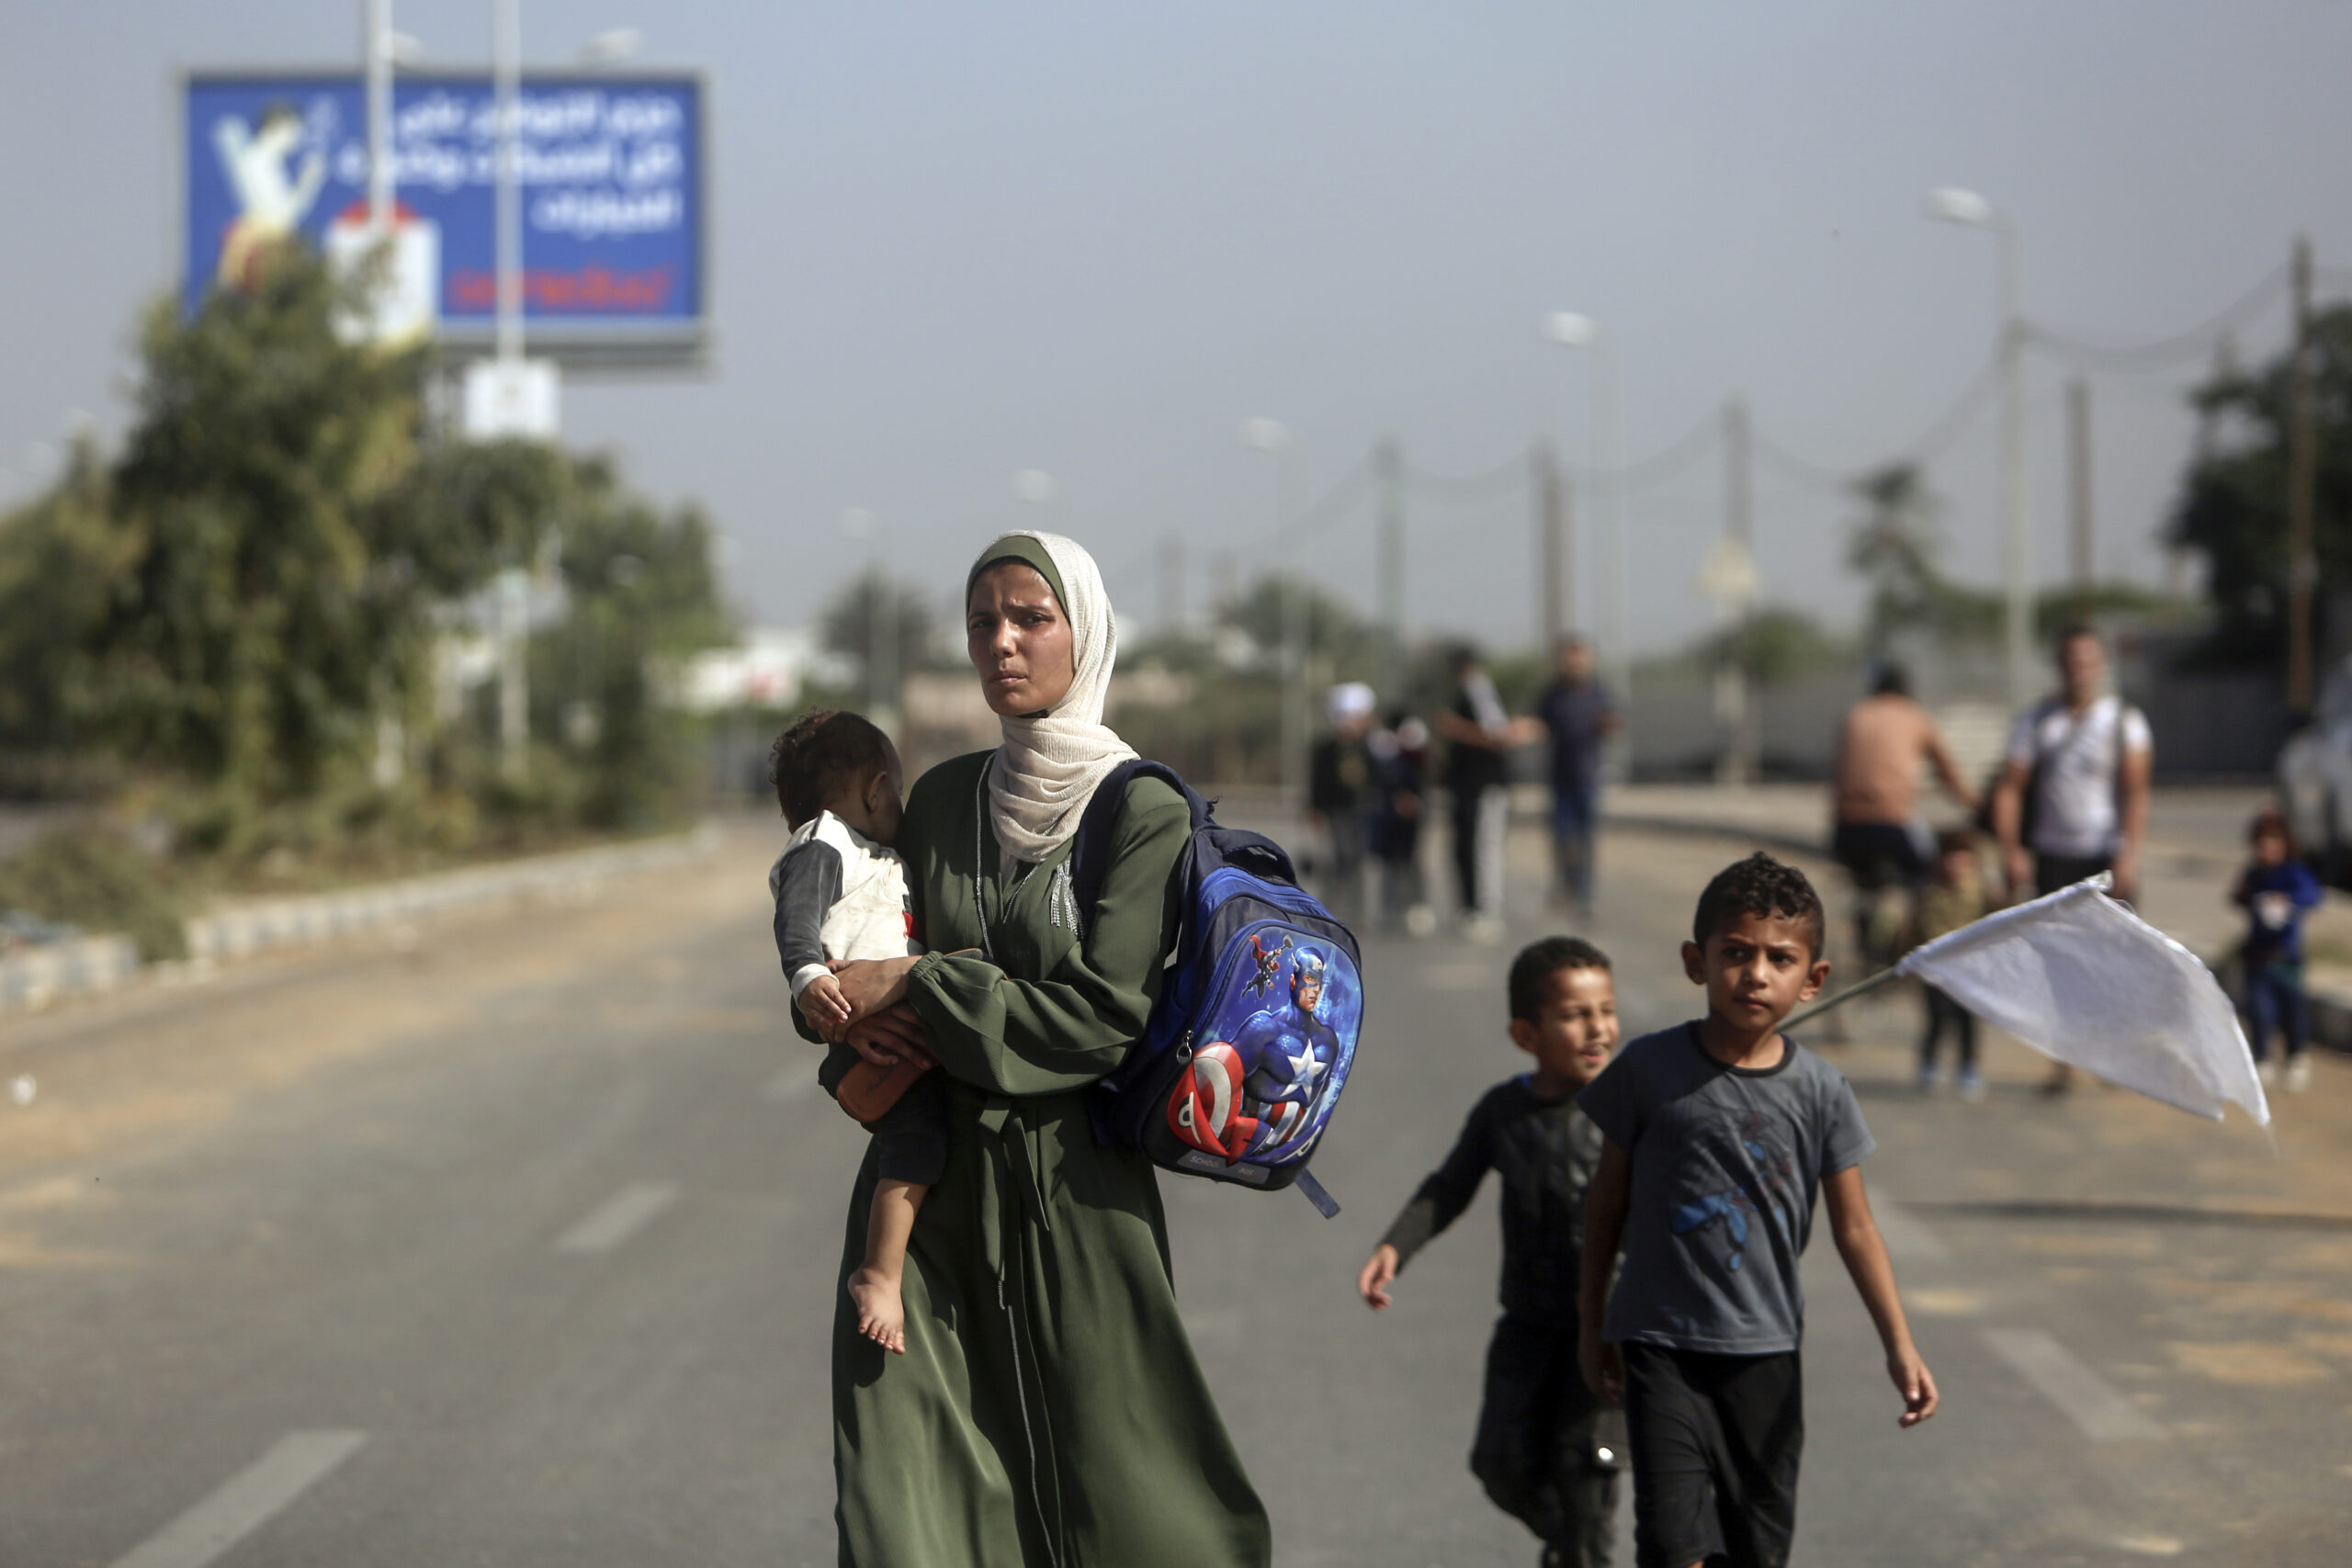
{"x":1048,"y":1410}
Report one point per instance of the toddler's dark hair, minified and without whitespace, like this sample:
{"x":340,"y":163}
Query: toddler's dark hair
{"x":1762,"y":887}
{"x":823,"y":746}
{"x":2269,"y":820}
{"x":1538,"y":961}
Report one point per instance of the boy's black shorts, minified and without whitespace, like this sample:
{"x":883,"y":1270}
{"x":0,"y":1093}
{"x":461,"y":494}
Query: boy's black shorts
{"x":1716,"y":1442}
{"x":910,"y":1138}
{"x":1548,"y":1451}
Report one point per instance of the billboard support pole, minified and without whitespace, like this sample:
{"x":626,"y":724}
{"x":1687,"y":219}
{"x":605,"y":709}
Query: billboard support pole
{"x":507,"y":67}
{"x":379,"y":117}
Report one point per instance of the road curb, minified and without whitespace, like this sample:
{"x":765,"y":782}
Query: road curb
{"x":87,"y":966}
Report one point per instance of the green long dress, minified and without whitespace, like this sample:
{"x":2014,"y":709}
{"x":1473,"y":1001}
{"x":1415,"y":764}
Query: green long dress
{"x":1049,"y":1409}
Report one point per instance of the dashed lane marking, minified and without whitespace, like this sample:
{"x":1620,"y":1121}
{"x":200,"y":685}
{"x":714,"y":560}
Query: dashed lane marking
{"x":619,"y":1217}
{"x":248,"y":1500}
{"x":1906,"y":1238}
{"x":2083,"y":1396}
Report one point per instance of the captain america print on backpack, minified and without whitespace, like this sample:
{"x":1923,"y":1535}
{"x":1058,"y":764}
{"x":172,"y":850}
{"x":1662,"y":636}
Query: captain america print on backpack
{"x":1254,"y":1034}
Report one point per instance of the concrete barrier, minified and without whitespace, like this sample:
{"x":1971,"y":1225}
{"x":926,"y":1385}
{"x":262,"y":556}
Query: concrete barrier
{"x":33,"y":978}
{"x":241,"y":928}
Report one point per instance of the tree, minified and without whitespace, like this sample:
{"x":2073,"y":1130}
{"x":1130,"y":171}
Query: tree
{"x":2232,"y":506}
{"x":1894,"y":546}
{"x":850,"y":621}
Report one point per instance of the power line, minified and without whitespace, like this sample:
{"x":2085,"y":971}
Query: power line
{"x":2196,"y":344}
{"x":1505,"y":479}
{"x":1333,"y":505}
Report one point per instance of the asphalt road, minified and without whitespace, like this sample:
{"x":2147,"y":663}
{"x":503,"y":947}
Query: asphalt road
{"x":517,"y":1248}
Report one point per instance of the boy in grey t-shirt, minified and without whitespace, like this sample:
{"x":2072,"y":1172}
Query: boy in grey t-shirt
{"x":1720,"y":1134}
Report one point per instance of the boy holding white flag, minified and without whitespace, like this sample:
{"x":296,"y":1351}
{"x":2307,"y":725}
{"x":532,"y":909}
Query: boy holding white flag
{"x":1721,"y":1134}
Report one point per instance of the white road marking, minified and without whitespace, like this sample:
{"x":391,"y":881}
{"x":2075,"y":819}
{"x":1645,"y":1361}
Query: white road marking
{"x":619,"y":1217}
{"x":789,"y":1085}
{"x":248,"y":1500}
{"x":2081,"y":1394}
{"x":1906,"y":1238}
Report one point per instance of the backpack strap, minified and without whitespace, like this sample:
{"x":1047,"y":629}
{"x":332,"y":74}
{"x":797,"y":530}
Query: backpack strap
{"x":1090,"y":857}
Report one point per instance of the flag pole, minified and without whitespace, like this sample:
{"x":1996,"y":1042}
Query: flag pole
{"x":1842,"y":997}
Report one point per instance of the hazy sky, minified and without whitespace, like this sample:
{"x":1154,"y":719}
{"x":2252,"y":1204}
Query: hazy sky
{"x":954,"y":241}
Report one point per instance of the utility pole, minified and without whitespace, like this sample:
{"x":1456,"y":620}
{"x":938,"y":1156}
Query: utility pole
{"x":2016,"y":496}
{"x":2302,"y":436}
{"x":379,"y":115}
{"x":506,"y":73}
{"x":1172,"y":585}
{"x":1551,"y":544}
{"x":1389,"y":462}
{"x":2083,"y":531}
{"x":1735,"y":697}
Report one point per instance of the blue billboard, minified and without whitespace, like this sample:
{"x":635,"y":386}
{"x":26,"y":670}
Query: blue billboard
{"x":610,"y":173}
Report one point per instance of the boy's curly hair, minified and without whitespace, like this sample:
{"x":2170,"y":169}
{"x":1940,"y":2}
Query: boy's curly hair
{"x":1764,"y":887}
{"x":823,"y":748}
{"x":1538,"y":961}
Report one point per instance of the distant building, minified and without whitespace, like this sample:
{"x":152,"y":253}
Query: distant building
{"x":766,"y":670}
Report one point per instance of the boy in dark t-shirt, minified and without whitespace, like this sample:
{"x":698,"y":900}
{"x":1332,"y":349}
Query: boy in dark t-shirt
{"x":1547,"y":1451}
{"x":1720,"y":1134}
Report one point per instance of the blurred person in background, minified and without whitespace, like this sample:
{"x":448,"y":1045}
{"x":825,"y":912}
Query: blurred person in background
{"x":1878,"y":834}
{"x":1399,"y":751}
{"x":1478,"y":735}
{"x":1340,"y":793}
{"x":2072,"y":800}
{"x":1952,"y":899}
{"x":1580,"y":715}
{"x":2276,"y":890}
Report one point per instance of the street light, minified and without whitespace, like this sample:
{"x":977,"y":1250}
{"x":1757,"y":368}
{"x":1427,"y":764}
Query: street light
{"x":1273,"y":439}
{"x":1571,"y":330}
{"x":881,"y":620}
{"x":611,"y":46}
{"x":1951,"y":203}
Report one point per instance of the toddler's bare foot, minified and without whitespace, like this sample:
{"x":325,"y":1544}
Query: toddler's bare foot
{"x":881,"y":1314}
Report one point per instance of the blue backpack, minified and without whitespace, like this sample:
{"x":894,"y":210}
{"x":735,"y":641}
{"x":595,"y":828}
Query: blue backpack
{"x":1251,"y":1041}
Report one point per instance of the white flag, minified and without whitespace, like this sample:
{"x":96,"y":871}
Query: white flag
{"x":2085,"y":981}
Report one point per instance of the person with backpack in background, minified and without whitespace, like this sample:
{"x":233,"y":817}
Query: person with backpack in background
{"x":1478,"y":735}
{"x":2071,"y":798}
{"x":1400,"y":754}
{"x":2276,"y":890}
{"x":1580,"y":715}
{"x":1049,"y":1408}
{"x":1340,"y":792}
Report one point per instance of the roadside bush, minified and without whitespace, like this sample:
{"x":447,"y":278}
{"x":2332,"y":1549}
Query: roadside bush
{"x":92,"y":876}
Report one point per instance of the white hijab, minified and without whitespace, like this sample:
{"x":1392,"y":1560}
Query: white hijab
{"x":1046,"y":770}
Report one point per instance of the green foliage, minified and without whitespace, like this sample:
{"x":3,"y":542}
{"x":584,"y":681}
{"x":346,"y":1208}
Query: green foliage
{"x":1338,"y":641}
{"x":92,"y":878}
{"x":273,"y":594}
{"x":642,"y":597}
{"x":848,"y":623}
{"x":2232,"y":507}
{"x":240,"y":611}
{"x":1894,"y":546}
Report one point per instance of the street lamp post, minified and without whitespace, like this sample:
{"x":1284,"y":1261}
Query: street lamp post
{"x":882,"y":677}
{"x":1953,"y":205}
{"x":1570,"y":330}
{"x":1273,"y":437}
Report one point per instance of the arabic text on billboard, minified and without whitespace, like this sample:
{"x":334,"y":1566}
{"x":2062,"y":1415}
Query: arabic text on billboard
{"x":610,"y":180}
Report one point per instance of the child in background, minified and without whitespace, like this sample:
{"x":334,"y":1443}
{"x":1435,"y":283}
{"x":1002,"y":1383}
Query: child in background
{"x":1547,"y":1451}
{"x":1720,"y":1134}
{"x":841,"y":894}
{"x":1954,"y":898}
{"x":2274,"y":890}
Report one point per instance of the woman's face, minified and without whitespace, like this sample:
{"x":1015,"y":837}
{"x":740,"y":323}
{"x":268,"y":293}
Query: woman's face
{"x":1019,"y":640}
